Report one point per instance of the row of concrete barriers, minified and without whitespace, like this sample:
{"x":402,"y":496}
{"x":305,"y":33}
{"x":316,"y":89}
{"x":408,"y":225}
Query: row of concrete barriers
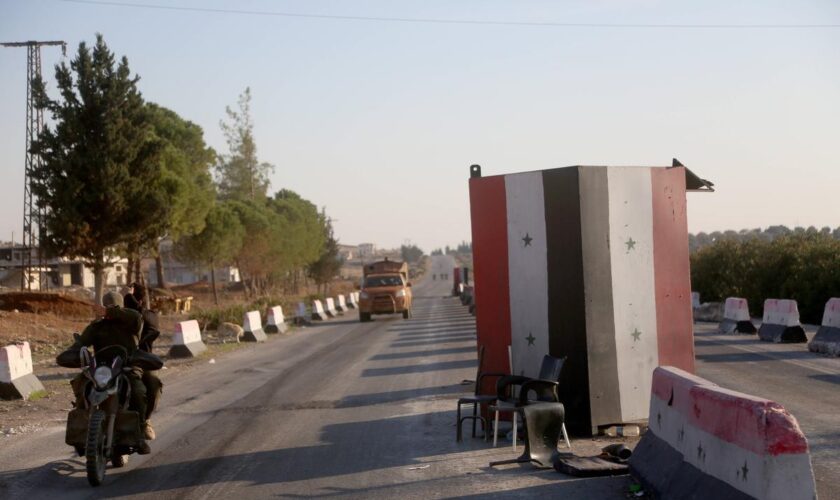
{"x":17,"y":378}
{"x":780,"y":323}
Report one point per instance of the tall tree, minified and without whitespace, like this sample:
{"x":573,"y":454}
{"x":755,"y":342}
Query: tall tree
{"x":100,"y":177}
{"x":240,"y":175}
{"x":216,"y":244}
{"x":185,"y":162}
{"x":328,"y":264}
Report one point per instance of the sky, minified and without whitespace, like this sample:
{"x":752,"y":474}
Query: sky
{"x":378,"y":121}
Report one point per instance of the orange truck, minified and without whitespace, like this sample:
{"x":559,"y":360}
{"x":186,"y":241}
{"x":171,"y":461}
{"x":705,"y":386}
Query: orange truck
{"x":385,"y":289}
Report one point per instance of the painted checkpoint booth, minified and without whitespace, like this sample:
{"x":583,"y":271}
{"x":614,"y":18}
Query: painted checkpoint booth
{"x":591,"y":264}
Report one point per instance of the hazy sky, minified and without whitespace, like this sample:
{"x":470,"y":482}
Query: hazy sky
{"x":379,"y":121}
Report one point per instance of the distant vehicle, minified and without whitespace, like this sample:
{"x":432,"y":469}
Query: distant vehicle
{"x":385,"y":289}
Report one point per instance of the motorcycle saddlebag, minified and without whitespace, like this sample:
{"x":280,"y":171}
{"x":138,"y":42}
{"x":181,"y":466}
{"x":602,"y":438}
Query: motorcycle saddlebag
{"x":127,"y":428}
{"x":77,"y":427}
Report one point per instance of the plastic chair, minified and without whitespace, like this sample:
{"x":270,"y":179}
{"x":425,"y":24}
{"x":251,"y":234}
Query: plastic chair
{"x":544,"y":422}
{"x":476,"y":399}
{"x":543,"y":388}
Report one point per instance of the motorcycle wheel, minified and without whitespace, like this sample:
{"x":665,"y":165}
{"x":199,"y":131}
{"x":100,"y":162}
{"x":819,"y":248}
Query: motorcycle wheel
{"x":95,"y":450}
{"x":119,"y":460}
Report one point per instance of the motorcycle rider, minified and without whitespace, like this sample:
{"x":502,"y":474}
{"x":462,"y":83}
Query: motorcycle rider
{"x":119,"y":326}
{"x":135,"y":300}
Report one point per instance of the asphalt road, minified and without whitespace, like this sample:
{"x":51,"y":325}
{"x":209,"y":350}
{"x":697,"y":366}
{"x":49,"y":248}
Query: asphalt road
{"x":806,"y":384}
{"x":345,"y":409}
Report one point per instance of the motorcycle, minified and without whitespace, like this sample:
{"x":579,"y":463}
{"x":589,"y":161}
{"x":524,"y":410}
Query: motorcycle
{"x":102,"y":428}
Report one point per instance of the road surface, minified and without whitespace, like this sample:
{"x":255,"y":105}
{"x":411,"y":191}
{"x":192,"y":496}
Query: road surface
{"x":344,"y":409}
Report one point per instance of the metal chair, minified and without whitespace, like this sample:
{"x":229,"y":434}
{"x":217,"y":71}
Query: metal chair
{"x":476,"y":400}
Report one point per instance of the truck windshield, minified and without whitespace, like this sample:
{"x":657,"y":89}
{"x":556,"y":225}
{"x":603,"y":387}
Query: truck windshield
{"x":383,"y":281}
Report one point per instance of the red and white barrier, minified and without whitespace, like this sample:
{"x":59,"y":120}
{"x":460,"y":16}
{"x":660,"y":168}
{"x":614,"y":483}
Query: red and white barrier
{"x":318,"y":311}
{"x":780,"y":322}
{"x":186,"y":343}
{"x":16,"y":378}
{"x":252,"y":325}
{"x":736,"y":317}
{"x":827,"y":339}
{"x":276,"y":322}
{"x":704,"y":439}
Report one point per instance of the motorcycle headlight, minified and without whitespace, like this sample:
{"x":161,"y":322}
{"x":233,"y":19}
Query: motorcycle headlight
{"x":102,"y":376}
{"x":363,"y":295}
{"x":401,"y":293}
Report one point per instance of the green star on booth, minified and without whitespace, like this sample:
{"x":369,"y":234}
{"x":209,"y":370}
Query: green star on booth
{"x":631,"y":245}
{"x":527,"y":240}
{"x":530,"y":338}
{"x":636,"y":334}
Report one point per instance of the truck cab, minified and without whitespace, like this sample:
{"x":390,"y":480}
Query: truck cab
{"x":385,"y":289}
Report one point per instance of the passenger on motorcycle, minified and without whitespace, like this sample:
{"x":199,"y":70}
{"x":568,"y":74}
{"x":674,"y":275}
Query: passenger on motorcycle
{"x":135,"y":299}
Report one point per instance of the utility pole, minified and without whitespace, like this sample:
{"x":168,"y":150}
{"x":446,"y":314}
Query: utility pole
{"x":32,"y":215}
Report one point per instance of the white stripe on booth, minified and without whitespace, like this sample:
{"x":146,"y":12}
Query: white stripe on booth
{"x":528,"y":280}
{"x":634,"y":296}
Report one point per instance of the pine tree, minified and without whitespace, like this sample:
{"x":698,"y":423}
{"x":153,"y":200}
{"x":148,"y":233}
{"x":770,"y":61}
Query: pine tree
{"x":100,"y":178}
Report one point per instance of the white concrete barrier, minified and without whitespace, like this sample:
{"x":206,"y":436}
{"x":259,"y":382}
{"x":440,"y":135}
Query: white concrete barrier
{"x":16,"y":378}
{"x":318,"y":311}
{"x":252,"y":324}
{"x":330,"y":307}
{"x":736,"y":317}
{"x":276,"y":322}
{"x":186,"y":343}
{"x":827,"y":339}
{"x":780,"y":322}
{"x":340,"y":303}
{"x":704,"y":441}
{"x":351,"y":300}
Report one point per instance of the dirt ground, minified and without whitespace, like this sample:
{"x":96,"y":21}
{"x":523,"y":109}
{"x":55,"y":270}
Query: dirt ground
{"x":48,"y":320}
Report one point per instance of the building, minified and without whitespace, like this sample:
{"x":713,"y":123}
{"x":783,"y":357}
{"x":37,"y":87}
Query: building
{"x":348,"y":252}
{"x":367,"y":250}
{"x":56,"y":271}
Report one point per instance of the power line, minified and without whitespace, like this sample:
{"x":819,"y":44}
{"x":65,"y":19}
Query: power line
{"x":544,"y":24}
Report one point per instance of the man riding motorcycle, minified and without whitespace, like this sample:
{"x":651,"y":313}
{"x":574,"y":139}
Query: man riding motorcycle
{"x":122,"y":327}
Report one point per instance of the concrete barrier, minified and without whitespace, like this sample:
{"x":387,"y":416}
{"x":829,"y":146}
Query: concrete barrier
{"x":16,"y":378}
{"x":780,"y":322}
{"x":827,"y":339}
{"x":695,"y":300}
{"x":736,"y":317}
{"x":186,"y":343}
{"x":276,"y":322}
{"x":252,"y":324}
{"x":318,"y":312}
{"x":340,"y":303}
{"x":329,"y":307}
{"x":351,"y":300}
{"x":705,"y":441}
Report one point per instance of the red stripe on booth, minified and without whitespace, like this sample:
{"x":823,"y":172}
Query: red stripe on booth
{"x":672,"y":283}
{"x":488,"y":213}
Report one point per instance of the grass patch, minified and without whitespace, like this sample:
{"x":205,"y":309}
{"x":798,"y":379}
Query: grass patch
{"x":36,"y":395}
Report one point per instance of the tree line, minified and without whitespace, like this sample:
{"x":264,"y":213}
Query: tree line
{"x":799,"y":264}
{"x":118,"y":174}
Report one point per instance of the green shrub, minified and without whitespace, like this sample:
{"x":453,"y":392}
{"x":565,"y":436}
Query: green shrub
{"x":802,"y":266}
